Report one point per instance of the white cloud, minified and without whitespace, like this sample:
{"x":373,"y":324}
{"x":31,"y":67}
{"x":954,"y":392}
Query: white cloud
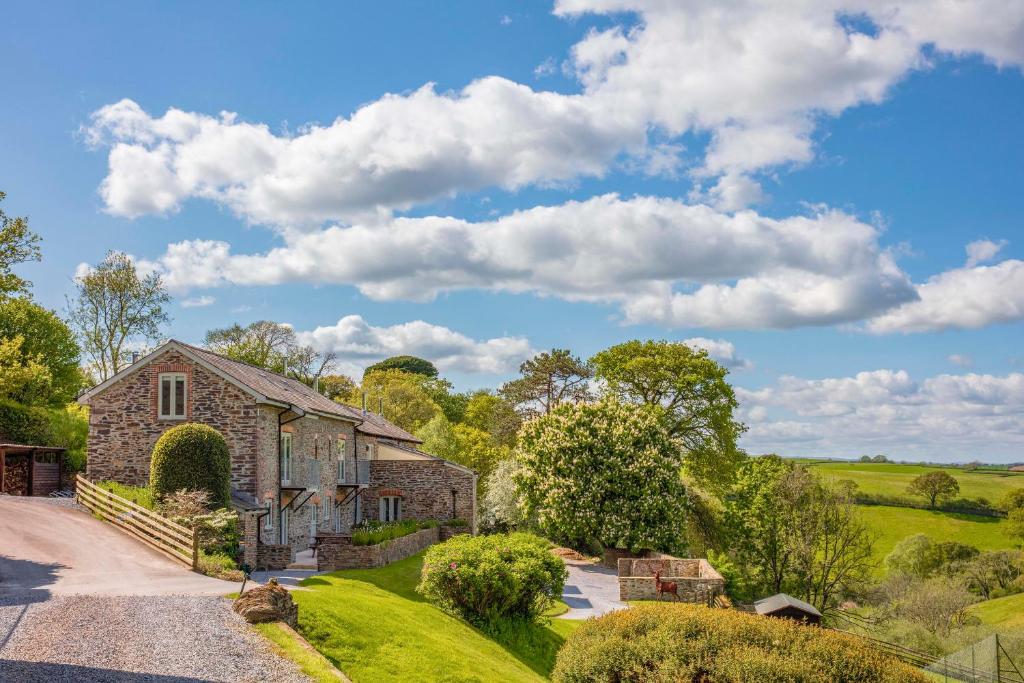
{"x":961,"y":359}
{"x":359,"y":344}
{"x":198,"y":302}
{"x":721,"y":350}
{"x":983,"y":251}
{"x":960,"y":298}
{"x":946,"y":417}
{"x":756,"y":76}
{"x":661,"y":260}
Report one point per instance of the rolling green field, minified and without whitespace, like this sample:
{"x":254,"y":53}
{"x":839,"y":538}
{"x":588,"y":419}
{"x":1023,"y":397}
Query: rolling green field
{"x":373,"y":625}
{"x":1003,"y":613}
{"x":893,"y":524}
{"x":892,"y":479}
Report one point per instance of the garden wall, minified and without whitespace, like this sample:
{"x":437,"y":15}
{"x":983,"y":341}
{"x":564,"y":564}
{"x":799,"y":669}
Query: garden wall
{"x":337,"y":552}
{"x":697,"y":580}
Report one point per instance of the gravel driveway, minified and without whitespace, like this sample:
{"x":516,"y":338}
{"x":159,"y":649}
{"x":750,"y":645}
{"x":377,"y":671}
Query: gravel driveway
{"x":80,"y":604}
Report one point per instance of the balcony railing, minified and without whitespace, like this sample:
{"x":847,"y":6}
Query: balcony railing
{"x":356,"y":472}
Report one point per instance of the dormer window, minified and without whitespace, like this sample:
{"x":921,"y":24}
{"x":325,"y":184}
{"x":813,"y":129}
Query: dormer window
{"x":172,"y":399}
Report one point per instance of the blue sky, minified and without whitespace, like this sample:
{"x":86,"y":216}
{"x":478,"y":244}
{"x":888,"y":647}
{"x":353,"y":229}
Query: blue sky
{"x":795,"y":188}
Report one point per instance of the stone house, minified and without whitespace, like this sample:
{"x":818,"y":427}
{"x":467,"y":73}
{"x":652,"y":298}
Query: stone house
{"x":301,"y":464}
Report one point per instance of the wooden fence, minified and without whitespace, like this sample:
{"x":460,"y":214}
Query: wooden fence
{"x":173,"y":540}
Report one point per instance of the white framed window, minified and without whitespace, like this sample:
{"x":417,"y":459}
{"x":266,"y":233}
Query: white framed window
{"x":286,"y":458}
{"x":314,"y":519}
{"x":368,"y":451}
{"x":172,"y":395}
{"x":284,"y":527}
{"x":390,"y":508}
{"x":268,"y":521}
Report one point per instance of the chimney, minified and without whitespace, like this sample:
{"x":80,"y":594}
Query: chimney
{"x":364,"y":403}
{"x":316,"y":384}
{"x":380,"y":406}
{"x":135,"y":357}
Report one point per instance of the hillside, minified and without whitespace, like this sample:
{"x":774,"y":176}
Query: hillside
{"x":1005,"y":614}
{"x":891,"y":479}
{"x":893,"y":524}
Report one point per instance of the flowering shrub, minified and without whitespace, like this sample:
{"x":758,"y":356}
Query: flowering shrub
{"x":676,"y":642}
{"x":485,"y":579}
{"x":606,"y":472}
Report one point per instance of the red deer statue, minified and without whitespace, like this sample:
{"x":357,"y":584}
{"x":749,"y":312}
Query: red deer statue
{"x":669,"y":587}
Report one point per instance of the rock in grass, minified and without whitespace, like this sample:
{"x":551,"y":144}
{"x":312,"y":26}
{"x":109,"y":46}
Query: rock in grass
{"x":268,"y":603}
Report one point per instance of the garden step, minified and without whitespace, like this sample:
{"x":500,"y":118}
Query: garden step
{"x":301,"y":565}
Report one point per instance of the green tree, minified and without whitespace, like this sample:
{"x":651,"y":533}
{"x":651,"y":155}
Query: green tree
{"x":274,"y":346}
{"x":1015,"y":525}
{"x":192,"y":456}
{"x":494,"y":415}
{"x":114,"y":308}
{"x":548,"y":380}
{"x":501,"y":505}
{"x":605,"y":472}
{"x":758,"y":525}
{"x":337,"y":387}
{"x":465,"y":445}
{"x":47,"y":340}
{"x":22,"y":376}
{"x":911,"y":556}
{"x":692,"y":389}
{"x":405,"y":401}
{"x":934,"y":486}
{"x":1013,"y":500}
{"x":411,"y":364}
{"x":18,"y":244}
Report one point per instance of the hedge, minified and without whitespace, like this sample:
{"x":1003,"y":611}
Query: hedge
{"x":678,"y":642}
{"x":487,"y":579}
{"x":192,"y":456}
{"x":23,"y":424}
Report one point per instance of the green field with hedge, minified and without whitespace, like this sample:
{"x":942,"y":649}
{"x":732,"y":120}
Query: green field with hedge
{"x":892,"y":479}
{"x":893,"y":524}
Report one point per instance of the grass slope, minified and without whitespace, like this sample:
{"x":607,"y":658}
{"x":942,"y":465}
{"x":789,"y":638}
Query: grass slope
{"x":892,"y":479}
{"x":373,"y":626}
{"x":1005,"y":614}
{"x":893,"y":524}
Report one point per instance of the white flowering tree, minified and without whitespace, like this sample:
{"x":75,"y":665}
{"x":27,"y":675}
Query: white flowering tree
{"x":604,"y":472}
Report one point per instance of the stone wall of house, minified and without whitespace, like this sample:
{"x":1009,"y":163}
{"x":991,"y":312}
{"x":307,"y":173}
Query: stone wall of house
{"x":314,"y":447}
{"x":337,"y":552}
{"x":425,"y":487}
{"x":124,"y":425}
{"x":696,"y":579}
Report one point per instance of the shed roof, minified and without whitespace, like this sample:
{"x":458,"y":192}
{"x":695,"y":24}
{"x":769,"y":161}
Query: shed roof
{"x":16,"y":448}
{"x":780,"y":601}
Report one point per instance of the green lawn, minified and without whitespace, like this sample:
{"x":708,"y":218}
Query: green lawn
{"x":373,"y":626}
{"x":891,"y":479}
{"x":893,"y":524}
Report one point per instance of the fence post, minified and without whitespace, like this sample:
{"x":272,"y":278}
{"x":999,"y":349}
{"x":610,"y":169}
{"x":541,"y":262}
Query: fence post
{"x":195,"y":549}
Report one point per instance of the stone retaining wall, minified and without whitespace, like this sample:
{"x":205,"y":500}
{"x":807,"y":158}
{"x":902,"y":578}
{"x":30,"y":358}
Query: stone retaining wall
{"x":273,"y":557}
{"x":337,"y":552}
{"x":697,"y":580}
{"x":446,"y":532}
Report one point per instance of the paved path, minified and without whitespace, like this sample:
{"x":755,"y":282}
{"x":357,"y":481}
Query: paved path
{"x":82,"y":601}
{"x":590,"y":591}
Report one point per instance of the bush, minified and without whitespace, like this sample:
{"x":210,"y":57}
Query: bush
{"x":23,"y":424}
{"x":192,"y":456}
{"x":219,"y":566}
{"x":218,"y":529}
{"x":372,"y":533}
{"x":69,"y":428}
{"x":487,"y":579}
{"x":692,"y":643}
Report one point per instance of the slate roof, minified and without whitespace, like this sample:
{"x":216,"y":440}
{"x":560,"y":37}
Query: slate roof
{"x":288,"y":390}
{"x":779,"y":601}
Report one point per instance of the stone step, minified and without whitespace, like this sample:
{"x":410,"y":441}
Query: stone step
{"x":301,"y":565}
